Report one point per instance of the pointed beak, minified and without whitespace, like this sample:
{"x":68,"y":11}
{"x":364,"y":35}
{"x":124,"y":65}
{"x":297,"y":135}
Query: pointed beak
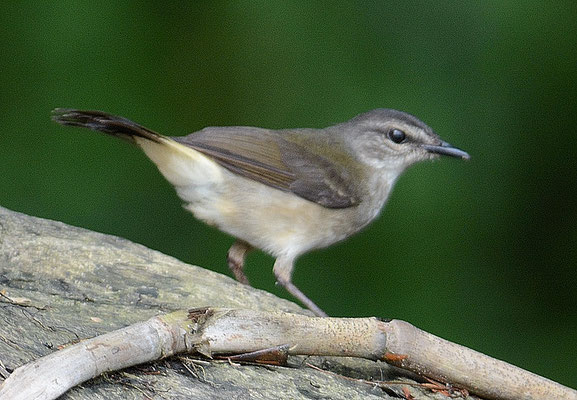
{"x":446,"y":149}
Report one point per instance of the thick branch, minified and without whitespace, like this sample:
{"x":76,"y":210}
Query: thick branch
{"x":60,"y":284}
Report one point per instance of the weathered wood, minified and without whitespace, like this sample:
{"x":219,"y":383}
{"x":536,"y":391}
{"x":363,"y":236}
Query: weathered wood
{"x":61,"y":284}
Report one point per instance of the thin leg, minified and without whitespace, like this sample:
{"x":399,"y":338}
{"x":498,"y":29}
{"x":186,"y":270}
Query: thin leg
{"x":283,"y":269}
{"x":235,"y":259}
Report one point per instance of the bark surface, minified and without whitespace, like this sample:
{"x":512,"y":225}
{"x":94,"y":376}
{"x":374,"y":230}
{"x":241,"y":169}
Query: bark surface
{"x":60,"y":284}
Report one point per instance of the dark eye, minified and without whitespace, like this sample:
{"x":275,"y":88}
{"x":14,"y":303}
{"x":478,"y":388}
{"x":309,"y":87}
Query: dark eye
{"x":397,"y":136}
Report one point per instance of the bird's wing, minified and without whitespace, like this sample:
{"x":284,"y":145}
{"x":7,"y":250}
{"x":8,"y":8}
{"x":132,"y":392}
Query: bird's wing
{"x":269,"y":158}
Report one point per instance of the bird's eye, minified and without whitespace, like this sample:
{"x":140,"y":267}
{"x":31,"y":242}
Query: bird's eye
{"x":397,"y":135}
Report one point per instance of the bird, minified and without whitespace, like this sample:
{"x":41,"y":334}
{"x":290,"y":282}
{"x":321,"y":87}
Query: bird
{"x":285,"y":192}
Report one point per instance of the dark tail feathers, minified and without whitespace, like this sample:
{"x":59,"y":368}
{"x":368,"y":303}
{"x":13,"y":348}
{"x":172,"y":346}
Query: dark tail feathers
{"x":104,"y":122}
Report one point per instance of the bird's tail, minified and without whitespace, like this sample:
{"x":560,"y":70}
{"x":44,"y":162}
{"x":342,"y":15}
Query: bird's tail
{"x":183,"y":166}
{"x":106,"y":123}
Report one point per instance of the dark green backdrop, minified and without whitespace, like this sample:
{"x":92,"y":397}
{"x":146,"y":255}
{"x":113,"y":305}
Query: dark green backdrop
{"x":481,"y":253}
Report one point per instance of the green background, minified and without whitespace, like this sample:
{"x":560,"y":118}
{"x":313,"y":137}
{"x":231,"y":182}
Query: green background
{"x":481,"y":253}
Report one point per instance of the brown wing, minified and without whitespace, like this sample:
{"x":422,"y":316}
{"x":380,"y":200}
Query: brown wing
{"x":267,"y":157}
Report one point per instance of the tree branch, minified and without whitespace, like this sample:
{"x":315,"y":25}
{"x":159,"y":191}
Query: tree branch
{"x":216,"y":331}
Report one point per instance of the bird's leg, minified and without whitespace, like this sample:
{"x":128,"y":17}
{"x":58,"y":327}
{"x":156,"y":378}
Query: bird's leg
{"x":283,"y":269}
{"x":235,"y":259}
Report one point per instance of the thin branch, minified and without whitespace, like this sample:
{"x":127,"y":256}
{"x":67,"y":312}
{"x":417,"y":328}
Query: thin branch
{"x":214,"y":331}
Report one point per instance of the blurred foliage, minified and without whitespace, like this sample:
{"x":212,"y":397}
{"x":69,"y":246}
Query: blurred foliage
{"x":482,"y":253}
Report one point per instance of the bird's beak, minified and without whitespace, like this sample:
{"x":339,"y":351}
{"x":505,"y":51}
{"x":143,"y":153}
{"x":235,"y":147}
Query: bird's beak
{"x":446,"y":149}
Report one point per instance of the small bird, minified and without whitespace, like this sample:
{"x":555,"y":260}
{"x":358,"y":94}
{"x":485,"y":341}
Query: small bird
{"x":287,"y":191}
